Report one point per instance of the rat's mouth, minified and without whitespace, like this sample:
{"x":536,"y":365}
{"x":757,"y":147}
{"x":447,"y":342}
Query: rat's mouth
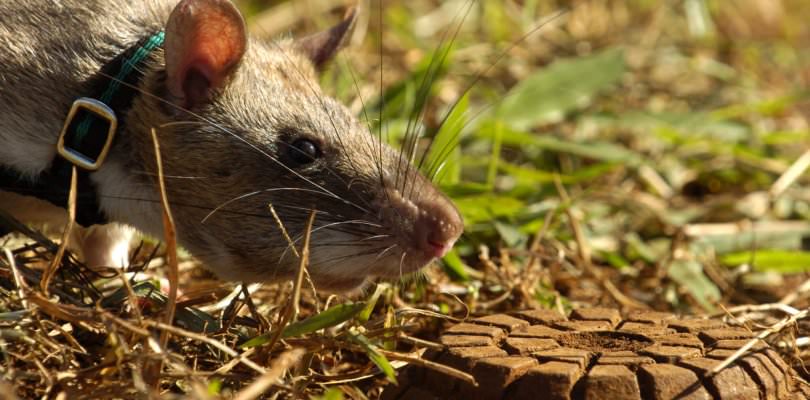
{"x":438,"y":249}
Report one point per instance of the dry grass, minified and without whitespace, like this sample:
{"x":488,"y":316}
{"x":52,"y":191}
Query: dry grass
{"x":98,"y":336}
{"x":104,"y":334}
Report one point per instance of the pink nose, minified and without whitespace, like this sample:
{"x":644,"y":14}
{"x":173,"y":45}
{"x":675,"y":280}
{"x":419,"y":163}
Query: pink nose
{"x":437,"y":227}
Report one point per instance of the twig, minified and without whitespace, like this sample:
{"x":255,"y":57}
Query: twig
{"x":789,"y":177}
{"x":654,"y":179}
{"x":778,"y":327}
{"x":248,"y":300}
{"x":228,"y":366}
{"x":171,"y":241}
{"x":302,"y":267}
{"x":131,"y":296}
{"x":758,"y":308}
{"x":22,"y":287}
{"x":799,"y":342}
{"x":759,"y":228}
{"x":226,"y":301}
{"x":489,"y":305}
{"x":191,"y":335}
{"x":283,"y":230}
{"x":57,"y":259}
{"x":152,"y":371}
{"x":419,"y":342}
{"x":584,"y":252}
{"x":358,"y":376}
{"x":78,"y":348}
{"x":534,"y":248}
{"x":261,"y":384}
{"x":400,"y":312}
{"x":414,"y":360}
{"x":290,"y":313}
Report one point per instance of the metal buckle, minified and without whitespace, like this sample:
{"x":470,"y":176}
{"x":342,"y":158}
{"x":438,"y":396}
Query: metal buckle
{"x":100,"y":110}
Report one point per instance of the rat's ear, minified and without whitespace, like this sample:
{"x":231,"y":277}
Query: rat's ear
{"x":321,"y":47}
{"x":205,"y":41}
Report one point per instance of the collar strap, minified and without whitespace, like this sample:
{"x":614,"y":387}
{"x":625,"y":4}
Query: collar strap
{"x":88,"y":133}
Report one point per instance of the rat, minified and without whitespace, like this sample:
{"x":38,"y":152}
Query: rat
{"x":242,"y":126}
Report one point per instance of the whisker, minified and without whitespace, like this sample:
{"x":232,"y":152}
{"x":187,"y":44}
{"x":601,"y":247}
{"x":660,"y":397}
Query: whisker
{"x":376,"y":237}
{"x":352,"y":255}
{"x":234,"y":135}
{"x":382,"y":253}
{"x":247,"y":195}
{"x":401,"y":262}
{"x":365,"y":112}
{"x":181,"y":123}
{"x":382,"y":92}
{"x":327,"y":226}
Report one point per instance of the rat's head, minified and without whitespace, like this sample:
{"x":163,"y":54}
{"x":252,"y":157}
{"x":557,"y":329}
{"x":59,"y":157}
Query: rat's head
{"x":256,"y":136}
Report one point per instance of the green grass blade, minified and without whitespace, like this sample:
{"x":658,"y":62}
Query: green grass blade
{"x":328,"y":318}
{"x":566,"y":85}
{"x":374,"y":355}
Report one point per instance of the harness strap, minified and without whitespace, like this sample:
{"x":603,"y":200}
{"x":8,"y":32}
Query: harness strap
{"x":88,"y":134}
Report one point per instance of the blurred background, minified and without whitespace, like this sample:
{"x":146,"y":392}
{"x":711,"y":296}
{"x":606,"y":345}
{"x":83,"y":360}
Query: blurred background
{"x":638,"y":142}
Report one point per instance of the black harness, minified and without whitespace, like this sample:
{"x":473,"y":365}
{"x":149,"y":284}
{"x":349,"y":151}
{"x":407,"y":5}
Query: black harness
{"x":87,"y":135}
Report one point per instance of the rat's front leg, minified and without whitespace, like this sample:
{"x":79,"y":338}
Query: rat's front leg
{"x":98,"y":245}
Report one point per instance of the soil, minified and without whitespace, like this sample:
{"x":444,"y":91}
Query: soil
{"x":598,"y":353}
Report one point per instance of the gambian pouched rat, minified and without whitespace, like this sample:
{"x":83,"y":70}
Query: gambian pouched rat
{"x":241,"y":125}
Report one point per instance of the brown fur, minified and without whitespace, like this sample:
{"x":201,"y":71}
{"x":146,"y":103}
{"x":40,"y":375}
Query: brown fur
{"x":226,"y":160}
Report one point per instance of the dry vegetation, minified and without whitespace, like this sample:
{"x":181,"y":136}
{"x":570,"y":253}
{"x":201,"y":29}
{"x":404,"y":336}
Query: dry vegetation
{"x":638,"y":154}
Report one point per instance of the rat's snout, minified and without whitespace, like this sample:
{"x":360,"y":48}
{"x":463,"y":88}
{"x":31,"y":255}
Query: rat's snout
{"x":437,"y":227}
{"x":424,"y":222}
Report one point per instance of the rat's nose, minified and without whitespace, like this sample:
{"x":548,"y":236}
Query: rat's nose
{"x":437,"y":227}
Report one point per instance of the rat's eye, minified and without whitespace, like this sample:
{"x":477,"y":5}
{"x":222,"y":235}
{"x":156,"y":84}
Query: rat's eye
{"x":304,"y":151}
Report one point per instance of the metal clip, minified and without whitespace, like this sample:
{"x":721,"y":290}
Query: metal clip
{"x":100,"y":110}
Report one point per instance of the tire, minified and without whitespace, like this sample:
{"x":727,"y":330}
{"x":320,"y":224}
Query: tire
{"x":597,"y":353}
